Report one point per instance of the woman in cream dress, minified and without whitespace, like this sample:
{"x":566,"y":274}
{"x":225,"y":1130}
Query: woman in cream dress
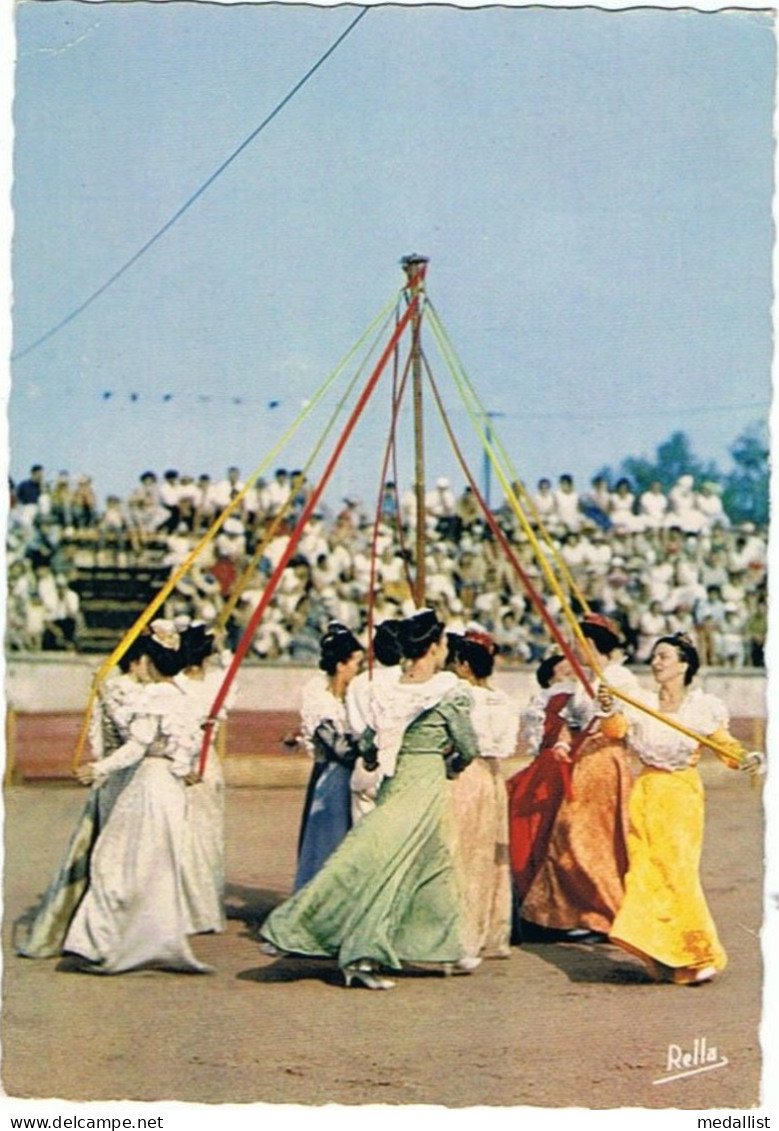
{"x":203,"y":869}
{"x":109,"y":726}
{"x":134,"y":913}
{"x":481,"y":803}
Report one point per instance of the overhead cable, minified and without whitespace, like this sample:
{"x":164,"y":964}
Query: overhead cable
{"x":188,"y":204}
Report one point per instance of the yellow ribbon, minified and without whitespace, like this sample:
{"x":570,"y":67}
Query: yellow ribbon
{"x":137,"y":628}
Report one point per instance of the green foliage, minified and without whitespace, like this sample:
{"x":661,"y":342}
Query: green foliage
{"x":673,"y":458}
{"x":745,"y":489}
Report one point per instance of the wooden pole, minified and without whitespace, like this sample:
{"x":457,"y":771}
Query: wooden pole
{"x":10,"y":776}
{"x":415,"y":267}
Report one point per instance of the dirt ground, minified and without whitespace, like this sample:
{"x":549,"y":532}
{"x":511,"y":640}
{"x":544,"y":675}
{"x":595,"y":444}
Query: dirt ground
{"x":552,"y":1026}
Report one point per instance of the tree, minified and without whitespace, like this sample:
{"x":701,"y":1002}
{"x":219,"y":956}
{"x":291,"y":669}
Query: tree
{"x":673,"y":458}
{"x":745,"y":496}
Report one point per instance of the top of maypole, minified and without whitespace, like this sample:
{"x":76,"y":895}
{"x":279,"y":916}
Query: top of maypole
{"x":415,"y":267}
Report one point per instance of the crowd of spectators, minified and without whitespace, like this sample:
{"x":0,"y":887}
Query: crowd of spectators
{"x":656,"y":562}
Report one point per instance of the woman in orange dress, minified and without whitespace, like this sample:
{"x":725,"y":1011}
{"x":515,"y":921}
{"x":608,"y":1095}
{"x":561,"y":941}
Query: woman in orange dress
{"x":580,"y":885}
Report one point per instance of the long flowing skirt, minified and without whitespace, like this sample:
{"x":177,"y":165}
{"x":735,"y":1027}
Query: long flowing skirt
{"x":580,"y":884}
{"x":42,"y":934}
{"x":390,"y":891}
{"x":134,"y":913}
{"x":327,"y":818}
{"x":481,"y":838}
{"x":534,"y":796}
{"x":202,"y":865}
{"x":108,"y":793}
{"x":664,"y":915}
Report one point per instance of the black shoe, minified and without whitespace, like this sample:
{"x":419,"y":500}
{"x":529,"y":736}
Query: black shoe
{"x":589,"y":938}
{"x":533,"y":933}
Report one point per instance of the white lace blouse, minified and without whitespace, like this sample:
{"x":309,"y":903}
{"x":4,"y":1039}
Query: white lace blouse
{"x":662,"y":746}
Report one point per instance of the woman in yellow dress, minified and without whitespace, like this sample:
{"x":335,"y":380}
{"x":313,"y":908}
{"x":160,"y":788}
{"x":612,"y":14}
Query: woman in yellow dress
{"x":664,"y":917}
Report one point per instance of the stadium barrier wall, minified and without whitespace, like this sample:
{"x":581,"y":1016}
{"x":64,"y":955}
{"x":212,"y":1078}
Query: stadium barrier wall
{"x":46,"y":697}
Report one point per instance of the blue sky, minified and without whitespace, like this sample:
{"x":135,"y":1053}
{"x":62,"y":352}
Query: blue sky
{"x":593,"y":190}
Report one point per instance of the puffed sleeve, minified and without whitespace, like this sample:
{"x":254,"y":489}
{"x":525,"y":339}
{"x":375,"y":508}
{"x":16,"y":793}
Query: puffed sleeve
{"x":182,"y":736}
{"x":614,"y":727}
{"x":505,"y":725}
{"x":532,"y":724}
{"x":456,"y":708}
{"x":96,"y":735}
{"x":319,"y":704}
{"x":143,"y":731}
{"x":580,"y":709}
{"x":357,"y":698}
{"x":729,"y":749}
{"x":713,"y":721}
{"x":121,"y":703}
{"x":333,"y":745}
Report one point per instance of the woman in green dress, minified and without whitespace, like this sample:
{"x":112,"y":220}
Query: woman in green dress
{"x":389,"y":893}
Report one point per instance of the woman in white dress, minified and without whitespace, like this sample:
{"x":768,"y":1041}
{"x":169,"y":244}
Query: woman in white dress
{"x":134,"y":913}
{"x":481,"y":802}
{"x":43,"y":935}
{"x":203,"y":871}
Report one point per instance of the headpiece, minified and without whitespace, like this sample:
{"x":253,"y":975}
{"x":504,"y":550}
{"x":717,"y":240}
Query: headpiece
{"x":164,"y":633}
{"x":479,"y":636}
{"x":601,"y":621}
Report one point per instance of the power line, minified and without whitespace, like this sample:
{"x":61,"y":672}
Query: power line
{"x":679,"y":414}
{"x":195,"y":196}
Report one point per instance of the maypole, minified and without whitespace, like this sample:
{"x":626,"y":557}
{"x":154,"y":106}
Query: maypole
{"x":415,"y":267}
{"x":251,"y":627}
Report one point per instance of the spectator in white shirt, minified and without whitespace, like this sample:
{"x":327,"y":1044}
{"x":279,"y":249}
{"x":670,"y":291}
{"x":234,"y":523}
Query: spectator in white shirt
{"x":440,"y":508}
{"x":278,"y":491}
{"x":653,"y":506}
{"x":545,"y":503}
{"x":684,"y":513}
{"x":146,"y":511}
{"x":223,"y":492}
{"x":709,"y":503}
{"x":623,"y":503}
{"x":567,"y":503}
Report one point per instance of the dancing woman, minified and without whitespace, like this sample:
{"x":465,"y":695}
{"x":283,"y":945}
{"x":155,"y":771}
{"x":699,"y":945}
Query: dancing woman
{"x":664,"y":917}
{"x":359,"y":695}
{"x":580,"y":884}
{"x":327,"y":809}
{"x":109,"y":728}
{"x":479,"y":793}
{"x":134,"y":913}
{"x":536,"y":792}
{"x":389,"y":893}
{"x":42,"y":935}
{"x":202,"y":862}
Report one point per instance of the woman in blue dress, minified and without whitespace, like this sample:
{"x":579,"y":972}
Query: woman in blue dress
{"x":327,"y":815}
